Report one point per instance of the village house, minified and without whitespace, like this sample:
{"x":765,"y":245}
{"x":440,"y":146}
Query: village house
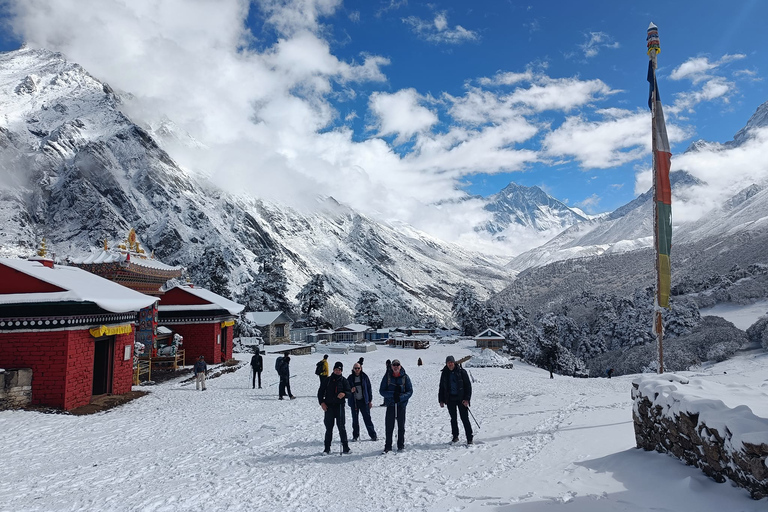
{"x":74,"y":329}
{"x":275,"y":326}
{"x":489,"y":339}
{"x":350,"y":333}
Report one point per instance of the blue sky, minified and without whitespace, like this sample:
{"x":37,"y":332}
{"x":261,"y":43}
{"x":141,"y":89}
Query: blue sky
{"x":395,"y":106}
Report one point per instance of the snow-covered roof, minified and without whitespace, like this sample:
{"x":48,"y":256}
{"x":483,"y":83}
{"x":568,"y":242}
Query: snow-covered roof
{"x":489,"y":333}
{"x":216,"y":301}
{"x":78,"y":285}
{"x":103,"y":256}
{"x":354,"y":328}
{"x":262,"y":318}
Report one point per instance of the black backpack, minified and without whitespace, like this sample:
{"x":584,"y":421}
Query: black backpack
{"x":278,"y":362}
{"x":319,"y":368}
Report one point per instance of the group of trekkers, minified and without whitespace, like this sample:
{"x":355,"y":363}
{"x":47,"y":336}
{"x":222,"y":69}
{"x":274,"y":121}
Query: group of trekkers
{"x":335,"y":392}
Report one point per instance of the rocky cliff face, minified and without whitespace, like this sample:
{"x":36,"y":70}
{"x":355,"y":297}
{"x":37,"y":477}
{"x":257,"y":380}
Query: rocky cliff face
{"x":75,"y":170}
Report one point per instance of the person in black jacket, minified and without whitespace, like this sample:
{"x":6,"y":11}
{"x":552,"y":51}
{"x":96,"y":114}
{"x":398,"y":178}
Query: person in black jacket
{"x":331,"y":396}
{"x":361,"y":401}
{"x":257,"y":365}
{"x":456,"y":391}
{"x":284,"y":371}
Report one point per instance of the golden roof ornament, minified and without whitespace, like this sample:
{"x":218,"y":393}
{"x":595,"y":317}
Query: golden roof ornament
{"x":42,"y":250}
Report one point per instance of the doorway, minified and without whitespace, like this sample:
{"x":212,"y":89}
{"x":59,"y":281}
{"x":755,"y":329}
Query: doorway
{"x":103,"y":356}
{"x":224,"y":338}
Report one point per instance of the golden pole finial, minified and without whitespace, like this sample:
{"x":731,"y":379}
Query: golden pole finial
{"x":42,"y":250}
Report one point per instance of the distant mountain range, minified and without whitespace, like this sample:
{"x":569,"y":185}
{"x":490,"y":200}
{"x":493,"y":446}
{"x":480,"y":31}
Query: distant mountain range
{"x":75,"y":170}
{"x":630,"y":227}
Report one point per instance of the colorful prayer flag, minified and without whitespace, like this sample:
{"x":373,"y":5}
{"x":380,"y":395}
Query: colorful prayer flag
{"x":662,"y":191}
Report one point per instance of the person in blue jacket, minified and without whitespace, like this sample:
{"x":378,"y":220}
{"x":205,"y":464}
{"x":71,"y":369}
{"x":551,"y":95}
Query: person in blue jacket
{"x":361,"y":401}
{"x":396,"y":388}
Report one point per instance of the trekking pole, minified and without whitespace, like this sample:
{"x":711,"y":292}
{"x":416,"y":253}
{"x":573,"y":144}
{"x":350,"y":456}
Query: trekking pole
{"x":473,"y":417}
{"x":341,"y":443}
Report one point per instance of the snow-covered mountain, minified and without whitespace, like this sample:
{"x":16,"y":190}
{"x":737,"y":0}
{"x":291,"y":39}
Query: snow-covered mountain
{"x":76,"y":170}
{"x":529,"y":207}
{"x":630,"y":227}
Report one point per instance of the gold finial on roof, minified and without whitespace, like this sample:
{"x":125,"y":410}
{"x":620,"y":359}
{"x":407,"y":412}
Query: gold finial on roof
{"x":42,"y":250}
{"x":106,"y":245}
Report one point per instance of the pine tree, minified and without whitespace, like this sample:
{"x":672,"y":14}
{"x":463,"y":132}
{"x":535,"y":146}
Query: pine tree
{"x":312,"y":299}
{"x":367,"y":310}
{"x":468,"y":311}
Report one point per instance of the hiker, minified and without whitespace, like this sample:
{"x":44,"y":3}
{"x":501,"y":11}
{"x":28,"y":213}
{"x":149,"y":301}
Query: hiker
{"x":396,"y":388}
{"x":321,"y":369}
{"x":331,"y":397}
{"x":609,"y":372}
{"x":284,"y":371}
{"x":456,"y":391}
{"x":200,"y":370}
{"x":361,"y":401}
{"x":257,"y":365}
{"x":419,"y":363}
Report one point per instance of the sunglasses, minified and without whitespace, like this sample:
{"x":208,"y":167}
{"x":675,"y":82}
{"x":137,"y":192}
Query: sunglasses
{"x":357,"y":368}
{"x":395,"y":364}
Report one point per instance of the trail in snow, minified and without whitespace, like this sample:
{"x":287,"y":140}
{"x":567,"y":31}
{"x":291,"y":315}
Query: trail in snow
{"x":541,"y":442}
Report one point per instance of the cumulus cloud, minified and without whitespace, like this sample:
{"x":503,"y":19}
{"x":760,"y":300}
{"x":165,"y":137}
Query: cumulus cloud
{"x":438,"y":30}
{"x":401,"y":114}
{"x":618,"y":138}
{"x":700,"y":71}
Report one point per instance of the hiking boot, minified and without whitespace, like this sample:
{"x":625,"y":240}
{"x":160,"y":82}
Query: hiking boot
{"x":292,"y":397}
{"x":469,"y":441}
{"x":326,"y":452}
{"x":355,"y":439}
{"x":386,"y":450}
{"x":280,"y":398}
{"x":346,"y":450}
{"x":374,"y":438}
{"x":455,"y":439}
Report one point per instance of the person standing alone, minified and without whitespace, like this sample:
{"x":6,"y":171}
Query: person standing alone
{"x":396,"y":388}
{"x":331,"y":397}
{"x":284,"y":371}
{"x":361,"y":401}
{"x":456,"y":391}
{"x":257,"y":365}
{"x":200,"y":370}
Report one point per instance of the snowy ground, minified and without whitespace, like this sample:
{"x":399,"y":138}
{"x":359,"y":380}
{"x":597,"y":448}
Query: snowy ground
{"x":544,"y":445}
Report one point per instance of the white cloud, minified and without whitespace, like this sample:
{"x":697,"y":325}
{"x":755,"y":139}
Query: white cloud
{"x":595,"y":41}
{"x":745,"y":166}
{"x":439,"y":31}
{"x":560,"y":93}
{"x":699,"y":70}
{"x":401,"y":114}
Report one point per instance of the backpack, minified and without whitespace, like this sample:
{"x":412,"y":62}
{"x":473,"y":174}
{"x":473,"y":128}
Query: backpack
{"x":278,"y":362}
{"x":319,"y":368}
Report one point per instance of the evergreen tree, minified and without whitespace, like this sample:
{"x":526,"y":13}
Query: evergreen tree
{"x":211,"y":271}
{"x":273,"y":282}
{"x":367,"y":310}
{"x":468,"y":311}
{"x":312,"y":299}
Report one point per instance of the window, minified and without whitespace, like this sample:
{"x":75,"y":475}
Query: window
{"x":280,"y":330}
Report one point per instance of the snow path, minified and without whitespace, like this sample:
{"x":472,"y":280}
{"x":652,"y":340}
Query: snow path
{"x":542,"y":442}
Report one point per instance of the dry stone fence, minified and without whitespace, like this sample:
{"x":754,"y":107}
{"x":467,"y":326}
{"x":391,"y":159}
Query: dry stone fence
{"x":706,"y":425}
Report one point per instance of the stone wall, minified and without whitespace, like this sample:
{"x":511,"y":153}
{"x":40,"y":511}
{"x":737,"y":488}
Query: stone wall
{"x":15,"y":388}
{"x":734,"y":445}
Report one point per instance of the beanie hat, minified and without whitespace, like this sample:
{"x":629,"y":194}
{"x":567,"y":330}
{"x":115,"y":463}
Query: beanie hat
{"x":338,"y":365}
{"x":325,"y":356}
{"x":450,"y":359}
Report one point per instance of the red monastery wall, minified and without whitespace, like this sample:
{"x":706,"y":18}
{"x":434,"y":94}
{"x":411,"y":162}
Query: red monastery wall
{"x":62,"y":365}
{"x":200,"y":340}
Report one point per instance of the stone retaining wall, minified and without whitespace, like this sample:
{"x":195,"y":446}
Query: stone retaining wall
{"x":734,"y":445}
{"x":15,"y":388}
